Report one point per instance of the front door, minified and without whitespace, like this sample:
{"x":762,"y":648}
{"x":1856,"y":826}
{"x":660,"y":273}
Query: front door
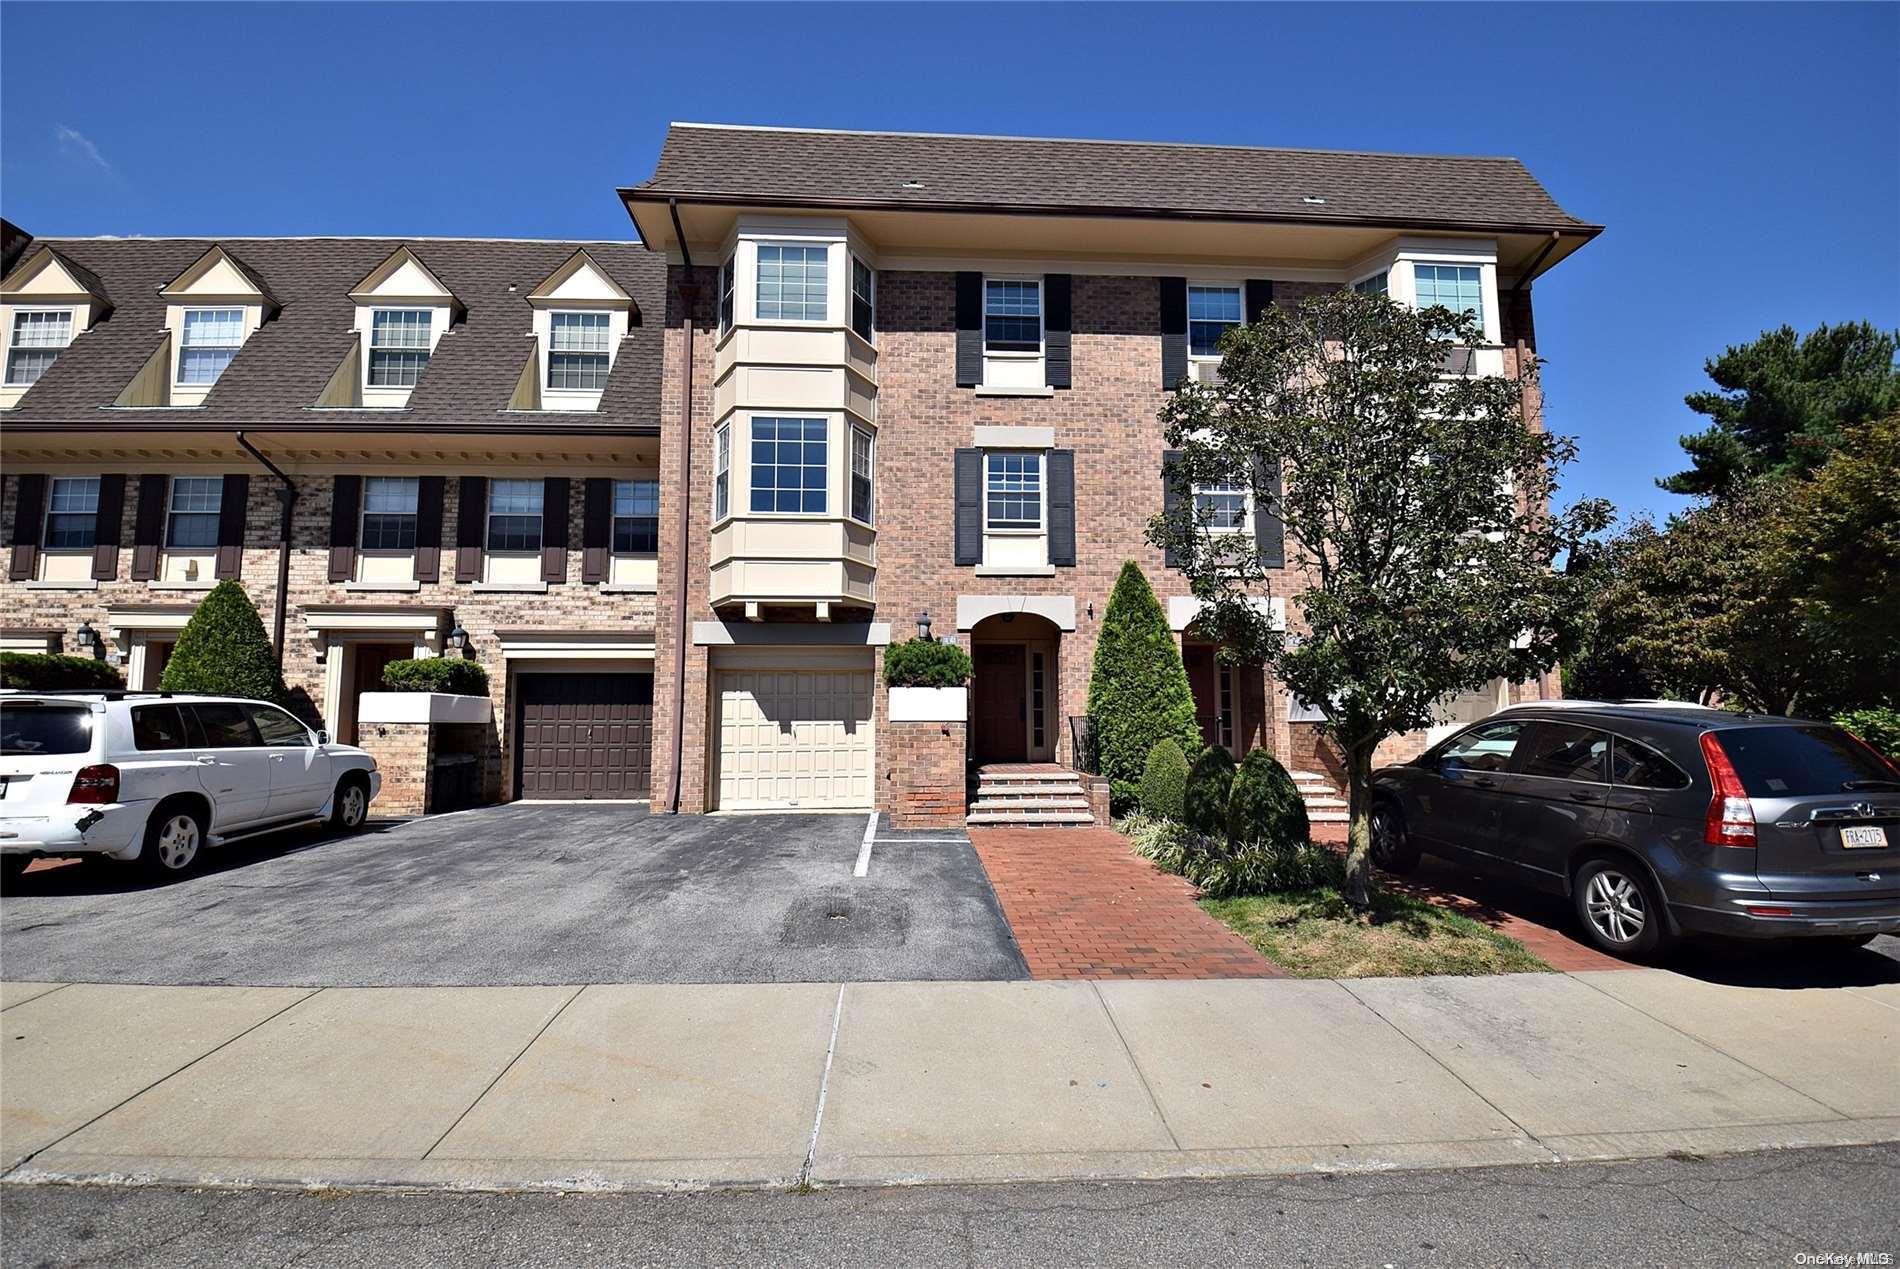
{"x":370,"y":659}
{"x":1002,"y":703}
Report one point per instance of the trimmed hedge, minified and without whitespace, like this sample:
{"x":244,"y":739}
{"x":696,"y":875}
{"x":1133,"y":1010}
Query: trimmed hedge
{"x":1265,"y":808}
{"x":1210,"y":783}
{"x":1220,"y":873}
{"x":57,"y":672}
{"x":1138,"y":689}
{"x":223,"y":651}
{"x":1879,"y":726}
{"x":1164,"y":782}
{"x":926,"y":663}
{"x":436,"y":674}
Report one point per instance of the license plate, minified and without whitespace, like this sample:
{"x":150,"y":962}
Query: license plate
{"x":1864,"y":837}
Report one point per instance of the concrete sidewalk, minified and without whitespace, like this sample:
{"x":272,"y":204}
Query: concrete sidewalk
{"x":680,"y":1085}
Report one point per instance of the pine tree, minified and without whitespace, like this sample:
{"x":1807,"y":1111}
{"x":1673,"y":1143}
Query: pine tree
{"x":1138,"y":693}
{"x":223,"y":651}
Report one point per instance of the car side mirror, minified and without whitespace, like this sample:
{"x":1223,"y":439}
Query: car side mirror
{"x":323,"y":737}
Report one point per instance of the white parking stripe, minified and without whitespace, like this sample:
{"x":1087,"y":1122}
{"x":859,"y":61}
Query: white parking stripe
{"x":864,"y":851}
{"x":927,"y":841}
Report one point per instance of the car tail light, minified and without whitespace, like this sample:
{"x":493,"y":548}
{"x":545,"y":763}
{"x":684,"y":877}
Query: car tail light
{"x":1731,"y":820}
{"x":98,"y":784}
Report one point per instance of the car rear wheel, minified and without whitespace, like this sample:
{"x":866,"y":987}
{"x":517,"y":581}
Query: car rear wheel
{"x":174,"y":838}
{"x":1619,"y":908}
{"x":1392,"y":847}
{"x":350,"y":807}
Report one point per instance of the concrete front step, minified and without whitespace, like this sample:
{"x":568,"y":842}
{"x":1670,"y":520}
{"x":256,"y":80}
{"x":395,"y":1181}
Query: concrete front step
{"x":1027,"y":777}
{"x":1007,"y":819}
{"x":1030,"y":804}
{"x":1072,"y":788}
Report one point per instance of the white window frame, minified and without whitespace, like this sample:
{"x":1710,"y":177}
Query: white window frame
{"x":1484,"y":306}
{"x":1042,"y":318}
{"x":830,"y":466}
{"x":722,"y":473}
{"x":605,"y":350}
{"x":184,"y":325}
{"x":13,"y":331}
{"x":1384,"y":276}
{"x":1212,"y":284}
{"x":171,"y":512}
{"x":46,"y":519}
{"x":728,"y":292}
{"x":1013,"y":529}
{"x":1245,"y":489}
{"x":370,"y":348}
{"x":489,"y":514}
{"x":363,"y":514}
{"x":824,"y":250}
{"x":869,"y":437}
{"x":614,"y":517}
{"x":870,"y":298}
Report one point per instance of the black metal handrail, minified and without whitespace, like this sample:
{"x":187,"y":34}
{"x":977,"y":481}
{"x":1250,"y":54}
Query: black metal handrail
{"x":1083,"y":754}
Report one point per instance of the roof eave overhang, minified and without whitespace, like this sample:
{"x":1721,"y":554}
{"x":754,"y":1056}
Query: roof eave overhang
{"x":511,"y":427}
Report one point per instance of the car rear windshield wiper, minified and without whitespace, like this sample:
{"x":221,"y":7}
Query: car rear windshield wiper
{"x":1871,"y":784}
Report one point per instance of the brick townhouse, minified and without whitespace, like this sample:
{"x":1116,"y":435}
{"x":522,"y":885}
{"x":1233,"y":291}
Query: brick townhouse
{"x":854,"y":385}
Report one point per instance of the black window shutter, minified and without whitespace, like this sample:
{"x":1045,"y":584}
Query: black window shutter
{"x":345,"y":497}
{"x":1259,"y":298}
{"x":1174,"y":348}
{"x":106,"y":526}
{"x":1269,"y":532}
{"x":148,"y":528}
{"x":596,"y":529}
{"x":28,"y":514}
{"x":1062,"y":508}
{"x":429,"y":529}
{"x":969,"y":500}
{"x":470,"y":513}
{"x":554,"y":521}
{"x":233,"y":509}
{"x":1170,"y":496}
{"x":969,"y":329}
{"x":1056,"y":313}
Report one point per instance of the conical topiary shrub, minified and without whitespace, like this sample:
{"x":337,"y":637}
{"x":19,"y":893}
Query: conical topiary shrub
{"x":1164,"y":783}
{"x":1210,"y":782}
{"x":1264,"y":809}
{"x":1138,"y":692}
{"x":223,"y":651}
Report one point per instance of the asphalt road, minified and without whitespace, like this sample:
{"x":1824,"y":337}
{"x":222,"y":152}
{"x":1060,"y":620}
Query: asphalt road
{"x":1760,"y":1209}
{"x":527,"y":894}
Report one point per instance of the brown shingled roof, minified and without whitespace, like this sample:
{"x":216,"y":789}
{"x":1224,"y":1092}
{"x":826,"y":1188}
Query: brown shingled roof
{"x":813,"y":167}
{"x":284,"y":366}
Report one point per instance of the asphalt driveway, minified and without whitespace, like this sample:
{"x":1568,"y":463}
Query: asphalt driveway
{"x":528,"y":894}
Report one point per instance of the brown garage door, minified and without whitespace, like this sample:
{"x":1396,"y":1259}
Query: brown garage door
{"x":584,"y":735}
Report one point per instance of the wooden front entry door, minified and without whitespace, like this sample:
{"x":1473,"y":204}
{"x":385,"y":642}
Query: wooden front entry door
{"x":369,"y":659}
{"x":1002,"y":703}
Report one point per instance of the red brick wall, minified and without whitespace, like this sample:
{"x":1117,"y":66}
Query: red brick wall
{"x":404,"y":754}
{"x":925,"y":763}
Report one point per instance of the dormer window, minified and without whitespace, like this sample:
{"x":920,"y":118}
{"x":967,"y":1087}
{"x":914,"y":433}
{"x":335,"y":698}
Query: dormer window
{"x":209,"y":339}
{"x":578,"y":351}
{"x":35,"y":342}
{"x":399,"y":344}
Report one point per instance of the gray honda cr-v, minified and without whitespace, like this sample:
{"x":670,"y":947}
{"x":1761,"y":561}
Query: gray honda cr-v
{"x":1660,"y":819}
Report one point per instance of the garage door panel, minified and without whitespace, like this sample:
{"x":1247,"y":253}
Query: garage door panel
{"x":584,"y":735}
{"x":798,"y":738}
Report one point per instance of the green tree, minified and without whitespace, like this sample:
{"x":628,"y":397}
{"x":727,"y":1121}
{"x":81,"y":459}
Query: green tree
{"x":1164,"y":781}
{"x":1784,"y":402}
{"x":1138,"y":691}
{"x":1843,"y":526}
{"x":1264,"y":808}
{"x":1210,"y":786}
{"x":223,"y":651}
{"x":1416,"y":504}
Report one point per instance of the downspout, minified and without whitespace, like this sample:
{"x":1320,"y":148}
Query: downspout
{"x":688,"y":292}
{"x":287,"y":495}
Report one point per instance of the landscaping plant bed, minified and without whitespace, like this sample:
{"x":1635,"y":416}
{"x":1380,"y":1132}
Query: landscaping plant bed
{"x":1313,"y":934}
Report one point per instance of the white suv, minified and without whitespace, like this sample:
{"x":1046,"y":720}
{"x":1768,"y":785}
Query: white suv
{"x":152,"y":778}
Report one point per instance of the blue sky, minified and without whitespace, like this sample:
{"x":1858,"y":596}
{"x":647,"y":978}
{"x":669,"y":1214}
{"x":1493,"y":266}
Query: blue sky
{"x":1745,"y":158}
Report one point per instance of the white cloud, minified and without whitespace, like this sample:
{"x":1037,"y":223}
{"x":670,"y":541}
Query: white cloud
{"x":73,"y":141}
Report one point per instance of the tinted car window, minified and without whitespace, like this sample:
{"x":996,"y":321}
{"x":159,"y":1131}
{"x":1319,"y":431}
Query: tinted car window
{"x":1485,"y":748}
{"x":1786,"y":762}
{"x":277,"y":727}
{"x":156,"y":727}
{"x":1640,"y":767}
{"x":1563,"y":751}
{"x":225,"y":726}
{"x":45,"y":729}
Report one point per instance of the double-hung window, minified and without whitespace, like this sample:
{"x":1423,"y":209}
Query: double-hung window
{"x":728,"y":272}
{"x":1013,"y":490}
{"x":35,"y":343}
{"x":1222,"y":505}
{"x":1212,"y":312}
{"x":722,"y":473}
{"x":514,"y":515}
{"x":863,"y":299}
{"x":1458,"y":287}
{"x":389,"y":513}
{"x":577,"y":350}
{"x":1374,"y":285}
{"x":790,"y":467}
{"x":209,"y":340}
{"x":861,"y":506}
{"x":72,"y":510}
{"x":399,"y":346}
{"x":792,"y":282}
{"x":191,"y":521}
{"x":636,"y":517}
{"x":1012,"y":316}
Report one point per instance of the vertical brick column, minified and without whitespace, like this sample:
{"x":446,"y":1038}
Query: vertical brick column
{"x":926,"y":766}
{"x":405,"y":754}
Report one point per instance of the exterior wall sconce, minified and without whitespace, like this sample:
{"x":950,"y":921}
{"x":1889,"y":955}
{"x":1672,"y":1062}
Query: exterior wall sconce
{"x":923,"y":625}
{"x":458,"y":640}
{"x":87,"y":640}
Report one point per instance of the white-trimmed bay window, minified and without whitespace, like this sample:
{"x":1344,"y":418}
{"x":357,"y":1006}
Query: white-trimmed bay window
{"x":191,"y":516}
{"x":722,"y":472}
{"x":578,"y":356}
{"x":793,"y":282}
{"x":862,"y":443}
{"x":35,"y":342}
{"x":728,"y":279}
{"x":389,"y":513}
{"x":514,"y":516}
{"x":636,"y":527}
{"x":1213,"y":310}
{"x":1224,"y":506}
{"x":399,"y":344}
{"x":207,"y":341}
{"x":790,"y":463}
{"x":1375,"y":284}
{"x":72,"y":511}
{"x":1458,"y":287}
{"x":863,"y":299}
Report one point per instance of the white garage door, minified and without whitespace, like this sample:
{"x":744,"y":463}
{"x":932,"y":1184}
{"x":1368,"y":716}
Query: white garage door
{"x":794,"y":738}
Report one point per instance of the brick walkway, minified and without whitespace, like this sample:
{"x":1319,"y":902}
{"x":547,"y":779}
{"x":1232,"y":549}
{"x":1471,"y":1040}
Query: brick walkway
{"x":1084,"y":905}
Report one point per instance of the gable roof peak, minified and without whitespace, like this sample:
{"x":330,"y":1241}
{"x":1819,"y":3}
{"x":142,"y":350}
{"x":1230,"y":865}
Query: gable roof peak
{"x":178,"y":288}
{"x":37,"y":259}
